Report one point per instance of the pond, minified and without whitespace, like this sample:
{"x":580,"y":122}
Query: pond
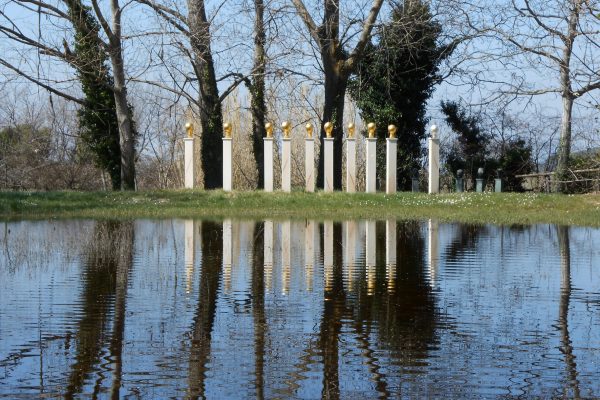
{"x":298,"y":309}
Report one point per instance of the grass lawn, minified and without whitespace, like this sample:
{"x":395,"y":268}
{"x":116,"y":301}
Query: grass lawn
{"x":497,"y":208}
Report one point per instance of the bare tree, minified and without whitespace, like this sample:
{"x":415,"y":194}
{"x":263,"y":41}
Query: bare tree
{"x":337,"y":63}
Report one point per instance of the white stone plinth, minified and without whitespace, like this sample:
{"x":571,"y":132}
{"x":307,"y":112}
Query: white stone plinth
{"x":390,"y":165}
{"x":227,"y":164}
{"x":188,"y":162}
{"x":350,"y":165}
{"x":371,"y":169}
{"x":434,"y":165}
{"x":227,"y":254}
{"x":433,"y":250}
{"x":309,"y":253}
{"x":189,"y":253}
{"x":286,"y":165}
{"x":328,"y":181}
{"x":286,"y":256}
{"x":268,"y":164}
{"x":309,"y":164}
{"x":328,"y":254}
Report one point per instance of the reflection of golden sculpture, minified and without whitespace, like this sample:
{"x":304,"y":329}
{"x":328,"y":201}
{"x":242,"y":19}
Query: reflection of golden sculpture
{"x":371,"y":129}
{"x":392,"y":131}
{"x":351,"y":130}
{"x":328,"y":129}
{"x":309,"y":130}
{"x":269,"y":129}
{"x":189,"y":127}
{"x":227,"y":130}
{"x":286,"y":126}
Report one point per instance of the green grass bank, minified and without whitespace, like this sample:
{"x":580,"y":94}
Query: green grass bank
{"x":497,"y":208}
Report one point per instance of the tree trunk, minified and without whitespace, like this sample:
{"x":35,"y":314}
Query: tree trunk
{"x":336,"y":82}
{"x":211,"y":117}
{"x":258,"y":90}
{"x":124,"y":117}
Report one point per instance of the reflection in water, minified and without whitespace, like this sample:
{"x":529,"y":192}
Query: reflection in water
{"x":563,"y":312}
{"x":432,"y":250}
{"x":212,"y":242}
{"x":106,"y":270}
{"x":328,"y":240}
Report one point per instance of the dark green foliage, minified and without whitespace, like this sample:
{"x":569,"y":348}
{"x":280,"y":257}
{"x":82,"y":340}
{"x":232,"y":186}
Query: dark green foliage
{"x":396,"y":78}
{"x":473,"y":149}
{"x":98,"y":123}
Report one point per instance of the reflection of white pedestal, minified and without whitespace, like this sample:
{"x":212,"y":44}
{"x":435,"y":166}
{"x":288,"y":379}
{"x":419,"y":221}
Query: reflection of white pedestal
{"x":227,"y":254}
{"x":328,"y":254}
{"x":286,"y":164}
{"x":189,"y":253}
{"x":268,"y":253}
{"x":371,"y":169}
{"x":370,"y":255}
{"x":268,"y":164}
{"x":328,"y":182}
{"x":390,"y":164}
{"x":188,"y":162}
{"x":434,"y":166}
{"x":390,"y":253}
{"x":309,"y":253}
{"x":227,"y":164}
{"x":349,"y":245}
{"x":350,"y":165}
{"x":433,"y":251}
{"x":309,"y":164}
{"x":286,"y":239}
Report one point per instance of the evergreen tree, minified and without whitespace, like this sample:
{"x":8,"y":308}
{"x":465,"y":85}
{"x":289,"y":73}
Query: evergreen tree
{"x":396,"y":78}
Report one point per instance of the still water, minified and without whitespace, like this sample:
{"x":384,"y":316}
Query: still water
{"x":298,"y":309}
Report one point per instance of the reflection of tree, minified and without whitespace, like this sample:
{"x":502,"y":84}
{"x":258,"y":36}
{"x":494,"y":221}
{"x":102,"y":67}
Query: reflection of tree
{"x":331,"y":322}
{"x":563,"y":311}
{"x":466,"y":240}
{"x":106,"y":271}
{"x":212,"y":254}
{"x":258,"y":308}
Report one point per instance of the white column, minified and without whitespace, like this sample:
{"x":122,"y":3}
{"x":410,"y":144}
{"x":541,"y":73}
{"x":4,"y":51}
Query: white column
{"x":227,"y":164}
{"x":309,"y":164}
{"x":371,"y":169}
{"x":328,"y":184}
{"x":350,"y":165}
{"x":432,"y":250}
{"x":189,"y":253}
{"x":390,"y":253}
{"x":227,"y":254}
{"x":268,"y":164}
{"x":286,"y":164}
{"x":286,"y":244}
{"x":268,"y":253}
{"x":188,"y":162}
{"x":328,"y":254}
{"x":309,"y":253}
{"x":434,"y":161}
{"x":370,"y":255}
{"x":390,"y":165}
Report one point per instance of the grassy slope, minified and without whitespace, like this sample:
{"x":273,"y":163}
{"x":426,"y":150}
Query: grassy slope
{"x":504,"y":208}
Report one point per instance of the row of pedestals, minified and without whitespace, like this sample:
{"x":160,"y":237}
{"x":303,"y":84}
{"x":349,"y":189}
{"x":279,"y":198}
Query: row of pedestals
{"x":328,"y":143}
{"x":355,"y":236}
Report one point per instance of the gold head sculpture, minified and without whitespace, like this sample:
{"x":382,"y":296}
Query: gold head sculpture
{"x":328,"y":129}
{"x":309,"y":130}
{"x":269,"y":129}
{"x":371,"y":127}
{"x":227,"y":130}
{"x":189,"y":128}
{"x":286,"y":127}
{"x":351,"y":129}
{"x":392,"y":131}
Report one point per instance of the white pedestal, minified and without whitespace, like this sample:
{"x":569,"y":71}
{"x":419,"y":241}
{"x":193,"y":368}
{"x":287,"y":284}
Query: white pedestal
{"x":434,"y":166}
{"x":227,"y":254}
{"x":371,"y":170}
{"x":328,"y":183}
{"x":309,"y":164}
{"x":268,"y":164}
{"x":349,"y":245}
{"x":390,"y":165}
{"x":188,"y":163}
{"x":227,"y":164}
{"x":350,"y":165}
{"x":286,"y":165}
{"x":390,"y":254}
